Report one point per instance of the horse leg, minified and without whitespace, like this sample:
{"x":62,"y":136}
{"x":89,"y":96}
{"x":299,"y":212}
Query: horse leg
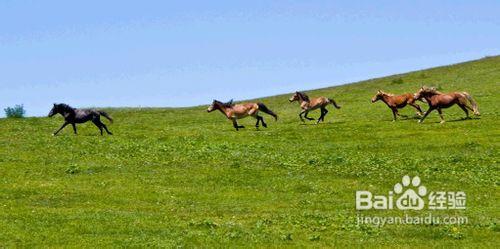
{"x":468,"y":107}
{"x":425,"y":115}
{"x":97,"y":123}
{"x":305,"y":116}
{"x":464,"y":108}
{"x":397,"y":113}
{"x":258,"y":120}
{"x":262,"y":121}
{"x":74,"y":127}
{"x":394,"y":113}
{"x":106,"y":128}
{"x":62,"y":127}
{"x":441,"y":115}
{"x":419,"y":111}
{"x":300,"y":116}
{"x":320,"y":116}
{"x":324,"y":111}
{"x":463,"y":104}
{"x":236,"y":126}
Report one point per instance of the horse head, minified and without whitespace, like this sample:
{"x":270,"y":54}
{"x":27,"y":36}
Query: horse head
{"x":299,"y":96}
{"x":378,"y":96}
{"x":218,"y":104}
{"x":294,"y":97}
{"x":55,"y":110}
{"x":60,"y":108}
{"x":213,"y":106}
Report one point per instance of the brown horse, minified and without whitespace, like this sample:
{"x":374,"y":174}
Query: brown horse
{"x":237,"y":111}
{"x":308,"y":105}
{"x":438,"y":100}
{"x":396,"y":102}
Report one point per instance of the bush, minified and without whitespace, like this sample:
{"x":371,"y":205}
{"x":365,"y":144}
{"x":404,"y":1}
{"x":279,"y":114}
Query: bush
{"x":15,"y":112}
{"x":397,"y":81}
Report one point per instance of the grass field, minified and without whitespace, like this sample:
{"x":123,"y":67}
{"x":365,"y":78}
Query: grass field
{"x":183,"y":177}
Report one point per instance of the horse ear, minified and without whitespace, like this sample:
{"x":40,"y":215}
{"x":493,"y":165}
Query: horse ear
{"x":55,"y":104}
{"x":379,"y":91}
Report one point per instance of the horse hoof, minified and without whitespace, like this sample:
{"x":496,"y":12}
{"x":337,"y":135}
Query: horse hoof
{"x":442,"y":122}
{"x":53,"y":134}
{"x":420,"y":121}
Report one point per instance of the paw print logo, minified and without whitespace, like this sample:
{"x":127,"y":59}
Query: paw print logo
{"x":410,"y":199}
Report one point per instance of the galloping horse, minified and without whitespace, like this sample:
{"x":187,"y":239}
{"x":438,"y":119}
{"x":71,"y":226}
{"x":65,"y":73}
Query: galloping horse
{"x":238,"y":111}
{"x":396,"y":102}
{"x":438,"y":100}
{"x":308,"y":105}
{"x":75,"y":116}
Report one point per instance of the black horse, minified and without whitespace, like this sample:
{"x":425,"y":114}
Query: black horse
{"x":75,"y":116}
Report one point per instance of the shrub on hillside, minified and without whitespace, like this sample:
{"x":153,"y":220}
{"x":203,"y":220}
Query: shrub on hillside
{"x":397,"y":81}
{"x":15,"y":112}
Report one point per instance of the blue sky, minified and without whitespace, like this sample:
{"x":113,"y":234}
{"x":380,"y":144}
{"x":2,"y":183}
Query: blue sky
{"x":184,"y":53}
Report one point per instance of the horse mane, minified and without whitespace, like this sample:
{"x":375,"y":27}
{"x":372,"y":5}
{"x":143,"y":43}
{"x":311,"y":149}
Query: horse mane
{"x":61,"y":109}
{"x":432,"y":90}
{"x":303,"y":96}
{"x":384,"y":93}
{"x":230,"y":103}
{"x":65,"y":107}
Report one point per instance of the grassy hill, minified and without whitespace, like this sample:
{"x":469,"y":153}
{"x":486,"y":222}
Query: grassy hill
{"x":185,"y":177}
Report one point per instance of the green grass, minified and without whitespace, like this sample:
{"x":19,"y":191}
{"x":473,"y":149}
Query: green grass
{"x":185,"y":177}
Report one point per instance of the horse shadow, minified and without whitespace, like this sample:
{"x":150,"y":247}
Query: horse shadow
{"x":414,"y":117}
{"x":322,"y":123}
{"x":405,"y":117}
{"x":463,"y":119}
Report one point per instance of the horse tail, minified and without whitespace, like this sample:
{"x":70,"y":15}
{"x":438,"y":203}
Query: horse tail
{"x":264,"y":108}
{"x":473,"y":103}
{"x":106,"y":116}
{"x":334,"y":103}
